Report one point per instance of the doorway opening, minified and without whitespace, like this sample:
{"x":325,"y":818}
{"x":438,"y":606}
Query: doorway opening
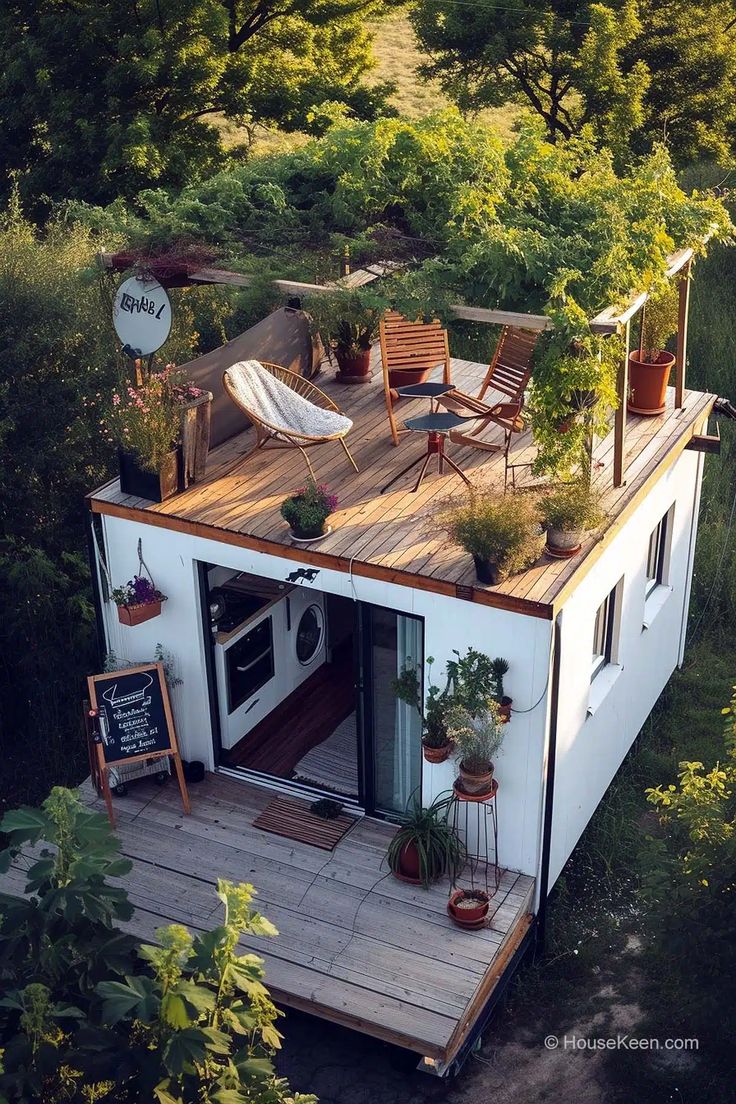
{"x":302,"y":689}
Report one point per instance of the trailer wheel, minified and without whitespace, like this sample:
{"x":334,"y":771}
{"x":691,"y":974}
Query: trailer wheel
{"x":120,"y":790}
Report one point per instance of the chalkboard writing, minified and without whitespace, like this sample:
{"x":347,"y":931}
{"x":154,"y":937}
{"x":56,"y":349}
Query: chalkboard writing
{"x":131,"y":714}
{"x":128,"y":719}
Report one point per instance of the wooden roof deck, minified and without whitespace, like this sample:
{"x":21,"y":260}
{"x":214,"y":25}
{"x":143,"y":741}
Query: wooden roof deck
{"x":392,"y":536}
{"x":355,"y":946}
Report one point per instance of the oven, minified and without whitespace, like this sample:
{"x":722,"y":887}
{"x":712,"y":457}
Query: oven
{"x":249,"y":664}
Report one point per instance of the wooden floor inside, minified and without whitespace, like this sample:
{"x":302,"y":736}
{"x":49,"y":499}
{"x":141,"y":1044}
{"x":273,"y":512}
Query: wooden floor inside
{"x":393,"y":536}
{"x":300,"y":722}
{"x":355,"y":946}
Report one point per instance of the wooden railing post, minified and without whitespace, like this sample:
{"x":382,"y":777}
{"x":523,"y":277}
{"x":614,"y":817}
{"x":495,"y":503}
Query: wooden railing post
{"x":682,"y":323}
{"x":619,"y":429}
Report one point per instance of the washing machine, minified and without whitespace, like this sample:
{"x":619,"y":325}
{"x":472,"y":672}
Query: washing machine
{"x":306,"y":646}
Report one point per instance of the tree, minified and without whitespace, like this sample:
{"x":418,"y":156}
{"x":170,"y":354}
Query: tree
{"x":100,"y":98}
{"x":88,"y":1016}
{"x":564,"y":61}
{"x":634,"y":71}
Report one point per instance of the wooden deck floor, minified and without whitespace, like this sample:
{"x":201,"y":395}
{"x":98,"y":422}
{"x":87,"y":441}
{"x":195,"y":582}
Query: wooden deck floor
{"x":355,"y":946}
{"x":392,"y":536}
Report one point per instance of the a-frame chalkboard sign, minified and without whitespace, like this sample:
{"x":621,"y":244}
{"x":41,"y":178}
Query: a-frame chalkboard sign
{"x":130,"y":720}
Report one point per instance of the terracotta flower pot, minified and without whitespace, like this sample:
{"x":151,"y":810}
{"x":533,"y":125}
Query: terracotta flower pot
{"x":436,"y":754}
{"x":409,"y":869}
{"x":504,"y":709}
{"x":486,"y":571}
{"x":474,"y":783}
{"x":563,"y":543}
{"x":405,"y":377}
{"x":470,"y":916}
{"x":354,"y":367}
{"x":142,"y":611}
{"x":648,"y":383}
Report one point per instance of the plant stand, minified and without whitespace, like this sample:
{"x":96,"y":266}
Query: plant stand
{"x":195,"y":438}
{"x":468,"y":812}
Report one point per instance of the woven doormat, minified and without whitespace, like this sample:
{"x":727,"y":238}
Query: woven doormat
{"x":292,"y":818}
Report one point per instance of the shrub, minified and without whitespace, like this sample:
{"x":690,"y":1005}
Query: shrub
{"x":439,"y":848}
{"x":502,"y":529}
{"x":86,"y":1016}
{"x":571,"y":507}
{"x":659,"y":323}
{"x":476,"y":736}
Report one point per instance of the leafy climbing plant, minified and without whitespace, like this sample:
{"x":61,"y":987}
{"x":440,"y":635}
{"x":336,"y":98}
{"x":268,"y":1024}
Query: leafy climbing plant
{"x":86,"y":1016}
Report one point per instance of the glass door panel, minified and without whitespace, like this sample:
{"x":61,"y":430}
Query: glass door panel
{"x":394,"y":729}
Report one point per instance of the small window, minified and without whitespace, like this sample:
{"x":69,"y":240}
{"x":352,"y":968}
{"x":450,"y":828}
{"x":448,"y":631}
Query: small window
{"x":605,"y":620}
{"x":657,"y":554}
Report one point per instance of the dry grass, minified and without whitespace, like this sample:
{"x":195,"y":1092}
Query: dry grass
{"x":397,"y":58}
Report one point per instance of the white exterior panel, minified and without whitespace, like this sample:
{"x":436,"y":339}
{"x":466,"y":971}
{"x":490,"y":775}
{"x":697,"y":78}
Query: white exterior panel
{"x":449,"y":623}
{"x":598,"y":721}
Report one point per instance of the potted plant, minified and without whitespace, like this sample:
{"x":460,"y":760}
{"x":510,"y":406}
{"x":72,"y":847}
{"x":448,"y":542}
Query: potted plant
{"x":469,"y":907}
{"x":477,"y":737}
{"x":650,"y":365}
{"x":146,"y":422}
{"x":436,"y":745}
{"x":308,"y":510}
{"x":137,"y":601}
{"x":347,"y":323}
{"x":426,"y":847}
{"x":499,"y":668}
{"x":501,"y":532}
{"x":568,"y":512}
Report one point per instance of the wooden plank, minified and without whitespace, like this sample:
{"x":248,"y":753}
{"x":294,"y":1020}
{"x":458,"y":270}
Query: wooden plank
{"x":683,"y":311}
{"x":622,"y":390}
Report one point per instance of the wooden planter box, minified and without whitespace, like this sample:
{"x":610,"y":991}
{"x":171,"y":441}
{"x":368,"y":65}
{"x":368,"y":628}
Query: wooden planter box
{"x":195,"y":438}
{"x":155,"y":486}
{"x":136,"y":615}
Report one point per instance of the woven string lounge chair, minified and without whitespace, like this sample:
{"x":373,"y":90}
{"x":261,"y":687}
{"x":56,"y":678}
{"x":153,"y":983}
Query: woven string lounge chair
{"x":286,"y":410}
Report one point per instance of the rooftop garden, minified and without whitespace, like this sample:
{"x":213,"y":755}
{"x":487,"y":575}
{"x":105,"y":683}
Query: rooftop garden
{"x":529,"y":227}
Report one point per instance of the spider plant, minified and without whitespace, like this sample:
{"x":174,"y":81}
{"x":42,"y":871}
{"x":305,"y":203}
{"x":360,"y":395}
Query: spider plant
{"x":426,"y":847}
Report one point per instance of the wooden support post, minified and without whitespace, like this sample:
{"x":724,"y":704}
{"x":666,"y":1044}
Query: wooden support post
{"x":682,"y":322}
{"x":619,"y":429}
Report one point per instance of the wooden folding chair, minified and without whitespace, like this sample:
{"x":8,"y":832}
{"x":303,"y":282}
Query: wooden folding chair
{"x":509,"y":373}
{"x":409,"y":349}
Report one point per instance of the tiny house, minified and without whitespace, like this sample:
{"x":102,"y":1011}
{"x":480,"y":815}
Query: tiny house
{"x":286,"y":656}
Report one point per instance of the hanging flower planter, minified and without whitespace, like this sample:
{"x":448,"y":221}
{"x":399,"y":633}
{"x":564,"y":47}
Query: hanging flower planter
{"x":139,"y":599}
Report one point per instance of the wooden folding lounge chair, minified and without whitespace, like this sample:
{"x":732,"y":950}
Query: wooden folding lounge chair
{"x":287,"y":411}
{"x":407,"y":349}
{"x":509,"y":373}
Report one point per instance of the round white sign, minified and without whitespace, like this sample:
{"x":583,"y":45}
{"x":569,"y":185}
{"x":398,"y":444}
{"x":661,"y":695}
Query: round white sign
{"x":141,"y":315}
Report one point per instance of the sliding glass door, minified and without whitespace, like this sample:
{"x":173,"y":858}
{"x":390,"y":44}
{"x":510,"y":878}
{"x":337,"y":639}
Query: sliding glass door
{"x":392,"y":730}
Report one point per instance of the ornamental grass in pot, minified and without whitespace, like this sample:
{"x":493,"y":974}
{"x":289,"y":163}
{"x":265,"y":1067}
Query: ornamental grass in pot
{"x":651,"y":364}
{"x":476,"y":738}
{"x":501,"y":532}
{"x":307,"y":511}
{"x":426,"y":847}
{"x":569,"y":511}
